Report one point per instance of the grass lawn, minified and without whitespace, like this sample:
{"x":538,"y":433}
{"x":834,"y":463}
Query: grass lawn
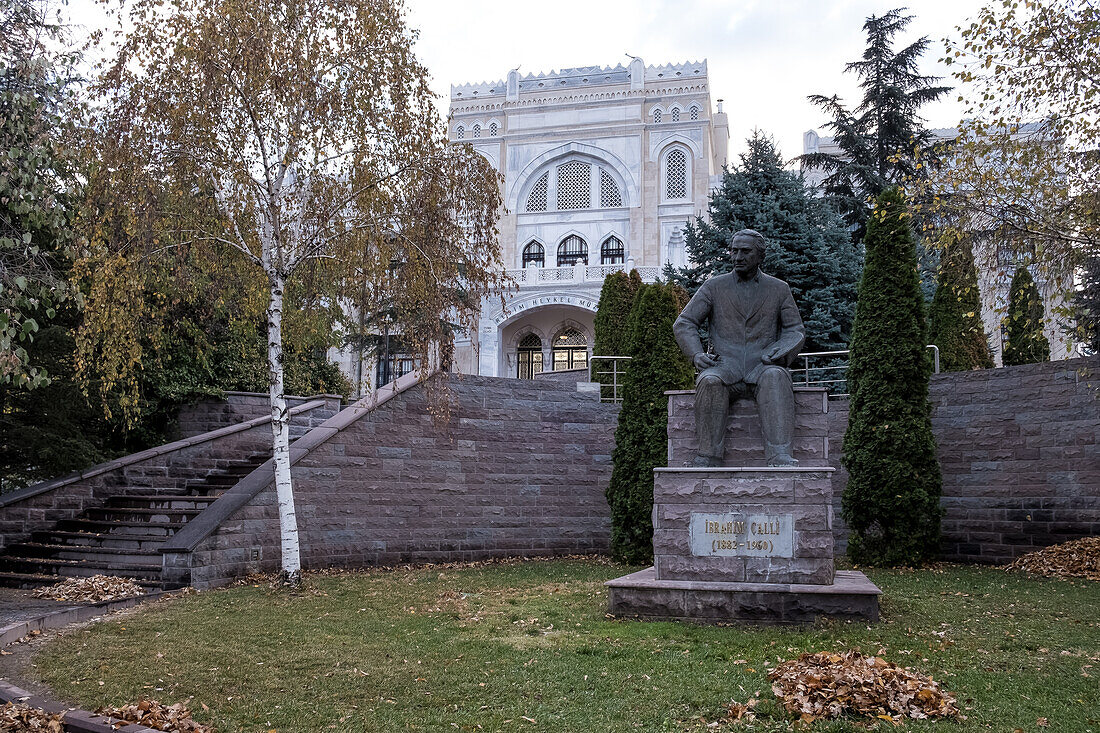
{"x":527,"y":647}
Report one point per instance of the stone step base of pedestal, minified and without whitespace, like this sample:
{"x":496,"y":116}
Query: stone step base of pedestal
{"x":641,"y":595}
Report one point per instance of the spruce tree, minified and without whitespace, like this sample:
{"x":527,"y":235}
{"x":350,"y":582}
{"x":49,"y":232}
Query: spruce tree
{"x":955,"y":316}
{"x":611,"y":337}
{"x":641,"y":439}
{"x":808,"y":246}
{"x":878,"y":137}
{"x":891,"y":502}
{"x":1024,"y":339}
{"x":1086,"y":305}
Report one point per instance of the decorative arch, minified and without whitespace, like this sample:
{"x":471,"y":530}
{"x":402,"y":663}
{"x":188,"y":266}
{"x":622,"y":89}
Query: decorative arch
{"x":572,"y":249}
{"x":675,"y":112}
{"x":523,"y":332}
{"x":494,"y":127}
{"x":518,"y":190}
{"x":537,"y":251}
{"x":460,"y":132}
{"x":676,"y":173}
{"x":658,"y":148}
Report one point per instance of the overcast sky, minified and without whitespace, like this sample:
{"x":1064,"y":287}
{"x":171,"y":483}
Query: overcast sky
{"x":764,"y":56}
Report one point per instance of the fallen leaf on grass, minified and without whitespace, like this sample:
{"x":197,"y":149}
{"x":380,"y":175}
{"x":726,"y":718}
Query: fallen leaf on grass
{"x":827,"y":685}
{"x":17,"y":718}
{"x":150,"y":713}
{"x":91,"y":590}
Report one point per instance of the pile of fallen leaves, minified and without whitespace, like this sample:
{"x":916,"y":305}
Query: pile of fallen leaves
{"x":827,"y":685}
{"x":1075,"y":559}
{"x":18,"y":718}
{"x":91,"y":590}
{"x":150,"y":713}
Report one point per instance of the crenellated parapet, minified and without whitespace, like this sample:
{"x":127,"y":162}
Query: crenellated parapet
{"x":636,"y":74}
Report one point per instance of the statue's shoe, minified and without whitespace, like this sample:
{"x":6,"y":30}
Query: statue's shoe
{"x":707,"y":462}
{"x":783,"y":460}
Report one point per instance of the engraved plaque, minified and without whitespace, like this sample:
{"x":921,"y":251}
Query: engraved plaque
{"x":735,"y":534}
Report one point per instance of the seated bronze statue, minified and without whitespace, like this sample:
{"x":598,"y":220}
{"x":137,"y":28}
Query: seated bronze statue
{"x":755,"y":333}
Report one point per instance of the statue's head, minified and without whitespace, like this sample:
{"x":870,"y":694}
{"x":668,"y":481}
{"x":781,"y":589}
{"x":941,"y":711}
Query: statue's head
{"x":747,"y":249}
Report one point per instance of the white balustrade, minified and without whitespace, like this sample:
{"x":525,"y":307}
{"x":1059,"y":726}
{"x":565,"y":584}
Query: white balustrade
{"x":575,"y":273}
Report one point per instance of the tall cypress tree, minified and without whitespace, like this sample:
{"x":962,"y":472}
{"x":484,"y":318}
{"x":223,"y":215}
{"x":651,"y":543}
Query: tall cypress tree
{"x":1025,"y":342}
{"x":808,"y":245}
{"x":891,"y":502}
{"x":611,"y":336}
{"x":955,"y":316}
{"x":878,"y":137}
{"x":641,"y":439}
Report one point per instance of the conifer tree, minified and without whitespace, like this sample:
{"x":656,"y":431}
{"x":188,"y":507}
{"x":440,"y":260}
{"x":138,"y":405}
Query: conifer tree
{"x":611,"y":337}
{"x":808,"y":246}
{"x":878,"y":137}
{"x":955,"y":316}
{"x":1025,"y":342}
{"x":891,"y":502}
{"x":1086,"y":305}
{"x":641,"y":439}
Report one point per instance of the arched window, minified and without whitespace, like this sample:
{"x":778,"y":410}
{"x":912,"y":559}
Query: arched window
{"x":493,"y":129}
{"x":574,"y":185}
{"x":529,"y":357}
{"x":536,"y":200}
{"x":534,"y":254}
{"x":460,"y":132}
{"x":694,"y":113}
{"x":676,"y":174}
{"x":675,"y":114}
{"x":572,"y":250}
{"x":609,"y":191}
{"x":477,"y":129}
{"x":611,"y":251}
{"x":657,"y":116}
{"x":569,"y":350}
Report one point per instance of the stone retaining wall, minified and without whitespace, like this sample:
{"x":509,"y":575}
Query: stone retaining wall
{"x":1019,"y":448}
{"x":237,"y":407}
{"x":517,"y":468}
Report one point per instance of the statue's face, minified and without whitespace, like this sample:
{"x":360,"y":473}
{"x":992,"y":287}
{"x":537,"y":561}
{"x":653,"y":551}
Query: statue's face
{"x":745,"y":256}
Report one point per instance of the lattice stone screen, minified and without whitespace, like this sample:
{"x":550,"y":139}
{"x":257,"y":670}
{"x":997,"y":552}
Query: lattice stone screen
{"x":493,"y":129}
{"x":676,"y":175}
{"x":694,"y":113}
{"x":657,"y":115}
{"x":676,"y":114}
{"x":536,"y":200}
{"x":574,"y":185}
{"x":609,"y":191}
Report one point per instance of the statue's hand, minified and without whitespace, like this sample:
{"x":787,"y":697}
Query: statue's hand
{"x":704,"y":360}
{"x":771,"y":355}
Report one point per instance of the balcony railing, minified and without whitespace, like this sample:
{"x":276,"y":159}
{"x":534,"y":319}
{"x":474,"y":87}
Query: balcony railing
{"x":577,"y":273}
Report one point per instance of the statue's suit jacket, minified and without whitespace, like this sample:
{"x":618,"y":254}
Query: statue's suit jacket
{"x":746,"y":320}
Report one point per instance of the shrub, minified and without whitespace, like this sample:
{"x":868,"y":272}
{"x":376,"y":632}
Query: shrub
{"x":641,"y":439}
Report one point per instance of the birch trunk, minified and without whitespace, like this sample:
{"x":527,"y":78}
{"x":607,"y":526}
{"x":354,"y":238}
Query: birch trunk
{"x":280,"y":433}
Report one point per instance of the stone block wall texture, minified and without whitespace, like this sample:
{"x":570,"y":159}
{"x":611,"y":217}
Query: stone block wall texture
{"x":205,"y":416}
{"x":517,"y":468}
{"x":567,"y":377}
{"x":31,"y":509}
{"x":1019,"y":448}
{"x":803,"y":493}
{"x":744,"y":442}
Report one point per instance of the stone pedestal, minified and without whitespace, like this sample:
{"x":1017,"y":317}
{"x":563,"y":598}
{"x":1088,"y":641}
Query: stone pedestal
{"x":749,"y":543}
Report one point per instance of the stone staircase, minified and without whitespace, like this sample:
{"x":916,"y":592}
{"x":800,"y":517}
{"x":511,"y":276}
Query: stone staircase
{"x":123,"y":536}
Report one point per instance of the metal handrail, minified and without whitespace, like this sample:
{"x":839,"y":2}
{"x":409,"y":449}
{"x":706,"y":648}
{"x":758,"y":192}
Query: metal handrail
{"x":592,"y":373}
{"x":805,"y":370}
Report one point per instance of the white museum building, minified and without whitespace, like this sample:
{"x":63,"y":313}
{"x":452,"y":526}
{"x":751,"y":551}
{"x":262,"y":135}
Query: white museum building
{"x":602,"y":169}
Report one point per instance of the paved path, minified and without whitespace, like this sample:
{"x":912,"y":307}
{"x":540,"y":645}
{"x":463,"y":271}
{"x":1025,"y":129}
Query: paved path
{"x":16,"y":604}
